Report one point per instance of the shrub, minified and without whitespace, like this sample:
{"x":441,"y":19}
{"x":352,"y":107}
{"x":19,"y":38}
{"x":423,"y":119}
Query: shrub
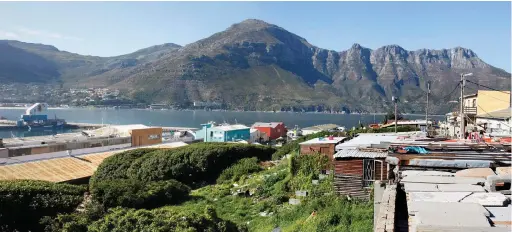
{"x":116,"y":166}
{"x":162,"y":219}
{"x":24,"y":202}
{"x":196,"y":163}
{"x":76,"y":221}
{"x":137,"y":194}
{"x":242,"y":167}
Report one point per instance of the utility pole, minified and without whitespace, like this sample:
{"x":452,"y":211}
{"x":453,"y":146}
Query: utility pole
{"x":461,"y":113}
{"x":395,"y":99}
{"x":462,"y":84}
{"x":426,"y":108}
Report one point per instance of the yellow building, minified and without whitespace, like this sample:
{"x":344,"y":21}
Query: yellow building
{"x":481,"y":104}
{"x":485,"y":101}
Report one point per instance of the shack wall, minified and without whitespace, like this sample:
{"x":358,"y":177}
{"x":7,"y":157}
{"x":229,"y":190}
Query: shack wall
{"x":146,"y":136}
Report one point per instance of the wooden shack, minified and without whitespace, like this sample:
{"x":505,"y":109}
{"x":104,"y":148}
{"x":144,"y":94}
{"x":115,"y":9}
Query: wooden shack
{"x":146,"y":136}
{"x":356,"y":169}
{"x":326,"y":146}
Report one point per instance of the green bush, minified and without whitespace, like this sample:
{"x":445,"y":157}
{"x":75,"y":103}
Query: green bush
{"x":196,"y":163}
{"x":136,"y":194}
{"x":162,"y":219}
{"x":116,"y":166}
{"x":23,"y":203}
{"x":242,"y":167}
{"x":76,"y":221}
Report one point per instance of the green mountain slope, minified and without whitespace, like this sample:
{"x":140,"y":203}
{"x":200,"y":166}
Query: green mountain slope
{"x":254,"y":65}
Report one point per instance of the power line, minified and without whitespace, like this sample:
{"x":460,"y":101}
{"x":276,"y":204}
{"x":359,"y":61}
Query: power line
{"x":496,"y":120}
{"x":487,"y":87}
{"x":447,"y":97}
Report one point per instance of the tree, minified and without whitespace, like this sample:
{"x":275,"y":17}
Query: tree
{"x":391,"y":116}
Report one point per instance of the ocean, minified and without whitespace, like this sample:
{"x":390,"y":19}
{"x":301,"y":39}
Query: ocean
{"x":193,"y":118}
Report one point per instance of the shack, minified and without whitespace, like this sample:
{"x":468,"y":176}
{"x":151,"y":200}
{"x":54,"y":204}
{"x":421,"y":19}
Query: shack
{"x":356,"y":169}
{"x":325,"y":146}
{"x":146,"y":136}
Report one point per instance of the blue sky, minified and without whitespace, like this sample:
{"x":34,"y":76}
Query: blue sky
{"x":115,"y":28}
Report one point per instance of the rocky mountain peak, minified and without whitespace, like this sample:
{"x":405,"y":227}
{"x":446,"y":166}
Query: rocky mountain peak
{"x":463,"y":52}
{"x":394,"y":50}
{"x":251,"y":24}
{"x":356,"y":46}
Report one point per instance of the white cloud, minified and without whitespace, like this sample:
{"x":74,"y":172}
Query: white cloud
{"x":47,"y":34}
{"x":8,"y":34}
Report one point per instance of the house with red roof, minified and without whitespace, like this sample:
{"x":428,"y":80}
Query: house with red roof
{"x":274,"y":130}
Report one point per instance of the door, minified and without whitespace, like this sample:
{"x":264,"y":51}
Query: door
{"x":368,"y":172}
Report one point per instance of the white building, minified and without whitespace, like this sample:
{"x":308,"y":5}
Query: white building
{"x":496,"y":123}
{"x":257,"y":136}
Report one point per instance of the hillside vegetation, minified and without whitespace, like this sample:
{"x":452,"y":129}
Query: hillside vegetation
{"x":200,"y":187}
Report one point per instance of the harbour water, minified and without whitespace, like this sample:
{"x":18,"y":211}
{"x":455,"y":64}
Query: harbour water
{"x":190,"y":118}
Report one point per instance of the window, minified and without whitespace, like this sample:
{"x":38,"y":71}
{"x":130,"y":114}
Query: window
{"x":211,"y":133}
{"x":151,"y":137}
{"x":474,"y":102}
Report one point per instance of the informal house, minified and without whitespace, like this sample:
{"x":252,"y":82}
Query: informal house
{"x":322,"y":145}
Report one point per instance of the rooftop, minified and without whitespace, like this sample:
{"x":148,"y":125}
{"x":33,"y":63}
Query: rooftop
{"x":266,"y":124}
{"x":232,"y":127}
{"x":120,"y":130}
{"x":323,"y":140}
{"x":406,"y":122}
{"x":361,"y":153}
{"x":322,"y":127}
{"x":58,"y":168}
{"x":369,"y":139}
{"x":498,"y":114}
{"x":449,"y":200}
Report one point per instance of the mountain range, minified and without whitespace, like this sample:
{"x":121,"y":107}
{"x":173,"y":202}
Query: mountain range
{"x":254,"y":65}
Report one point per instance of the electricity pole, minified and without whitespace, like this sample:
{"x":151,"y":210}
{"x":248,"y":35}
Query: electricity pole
{"x":462,"y":84}
{"x":395,"y":100}
{"x":426,"y":108}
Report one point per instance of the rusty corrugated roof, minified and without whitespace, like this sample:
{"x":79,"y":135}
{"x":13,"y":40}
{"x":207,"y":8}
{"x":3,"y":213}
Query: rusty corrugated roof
{"x":64,"y":168}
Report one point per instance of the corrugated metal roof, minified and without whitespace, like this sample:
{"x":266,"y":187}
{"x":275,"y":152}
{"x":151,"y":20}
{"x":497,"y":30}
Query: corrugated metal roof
{"x":64,"y":168}
{"x":55,"y":170}
{"x":366,"y":139}
{"x":323,"y":140}
{"x":355,"y":153}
